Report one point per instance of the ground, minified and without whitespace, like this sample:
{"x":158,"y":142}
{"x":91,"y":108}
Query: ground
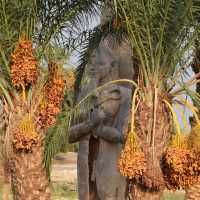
{"x":64,"y":180}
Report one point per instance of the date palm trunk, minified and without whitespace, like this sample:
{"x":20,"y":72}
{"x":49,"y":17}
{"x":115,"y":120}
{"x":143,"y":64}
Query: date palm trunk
{"x":28,"y":175}
{"x":153,"y":130}
{"x":4,"y":161}
{"x":29,"y":180}
{"x":140,"y":193}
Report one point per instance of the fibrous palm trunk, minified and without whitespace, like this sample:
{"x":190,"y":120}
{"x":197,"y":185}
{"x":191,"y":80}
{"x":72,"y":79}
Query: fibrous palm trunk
{"x":4,"y":164}
{"x":28,"y":176}
{"x":153,"y":130}
{"x":29,"y":180}
{"x":140,"y":193}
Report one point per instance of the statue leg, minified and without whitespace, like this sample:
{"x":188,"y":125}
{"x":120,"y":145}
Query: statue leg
{"x":109,"y":195}
{"x":93,"y":192}
{"x":93,"y":149}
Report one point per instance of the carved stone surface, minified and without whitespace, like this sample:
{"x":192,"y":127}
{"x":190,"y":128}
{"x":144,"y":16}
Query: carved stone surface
{"x":101,"y":135}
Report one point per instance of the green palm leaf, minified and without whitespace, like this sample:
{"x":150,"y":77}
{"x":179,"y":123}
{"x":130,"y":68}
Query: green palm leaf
{"x":160,"y":32}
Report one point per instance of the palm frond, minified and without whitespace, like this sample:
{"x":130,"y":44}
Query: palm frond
{"x":60,"y":18}
{"x":194,"y":97}
{"x":4,"y":90}
{"x":16,"y":17}
{"x":46,"y":22}
{"x":160,"y":33}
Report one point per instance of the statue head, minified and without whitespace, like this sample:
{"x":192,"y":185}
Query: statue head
{"x":103,"y":66}
{"x":111,"y":63}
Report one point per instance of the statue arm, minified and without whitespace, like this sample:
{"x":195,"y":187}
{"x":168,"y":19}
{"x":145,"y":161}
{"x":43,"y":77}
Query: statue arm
{"x":109,"y":134}
{"x":78,"y":131}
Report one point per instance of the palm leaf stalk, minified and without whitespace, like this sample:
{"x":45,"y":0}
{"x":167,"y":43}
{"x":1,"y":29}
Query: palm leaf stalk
{"x":160,"y":33}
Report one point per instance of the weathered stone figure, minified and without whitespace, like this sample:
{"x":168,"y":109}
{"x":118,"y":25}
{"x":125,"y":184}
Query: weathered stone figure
{"x":101,"y":135}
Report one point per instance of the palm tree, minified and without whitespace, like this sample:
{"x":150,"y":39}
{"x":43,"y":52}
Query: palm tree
{"x":30,"y":31}
{"x":31,"y":110}
{"x":160,"y":34}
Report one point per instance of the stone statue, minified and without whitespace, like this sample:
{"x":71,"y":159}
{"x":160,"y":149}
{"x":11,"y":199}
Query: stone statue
{"x":101,"y":135}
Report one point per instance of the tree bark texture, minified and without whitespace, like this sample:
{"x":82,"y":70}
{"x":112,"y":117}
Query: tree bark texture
{"x":28,"y":175}
{"x":153,"y":130}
